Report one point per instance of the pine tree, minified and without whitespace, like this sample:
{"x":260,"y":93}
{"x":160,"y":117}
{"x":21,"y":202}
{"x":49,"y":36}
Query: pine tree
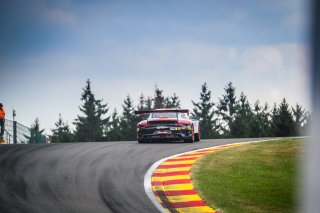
{"x":282,"y":120}
{"x":102,"y":123}
{"x":172,"y":102}
{"x":241,"y":127}
{"x":158,"y":101}
{"x":204,"y":111}
{"x":36,"y":135}
{"x":275,"y":121}
{"x":148,"y":103}
{"x":62,"y":132}
{"x":114,"y":133}
{"x":142,"y":103}
{"x":91,"y":126}
{"x":261,"y":121}
{"x":305,"y":130}
{"x":128,"y":121}
{"x":143,"y":106}
{"x":226,"y":108}
{"x":299,"y":118}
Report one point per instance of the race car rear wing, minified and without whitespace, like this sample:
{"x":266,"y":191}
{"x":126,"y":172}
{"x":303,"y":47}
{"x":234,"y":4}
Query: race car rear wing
{"x":161,"y":111}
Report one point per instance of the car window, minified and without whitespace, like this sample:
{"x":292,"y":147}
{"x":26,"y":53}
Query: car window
{"x":183,"y":116}
{"x":164,"y":115}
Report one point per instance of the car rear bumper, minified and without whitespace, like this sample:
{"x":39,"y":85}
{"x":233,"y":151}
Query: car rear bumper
{"x":164,"y":132}
{"x":168,"y":137}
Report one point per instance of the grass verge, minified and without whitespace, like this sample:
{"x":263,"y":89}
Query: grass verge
{"x":256,"y":177}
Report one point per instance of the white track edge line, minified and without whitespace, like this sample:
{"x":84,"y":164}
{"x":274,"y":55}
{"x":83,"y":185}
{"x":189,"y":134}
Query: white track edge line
{"x":148,"y":175}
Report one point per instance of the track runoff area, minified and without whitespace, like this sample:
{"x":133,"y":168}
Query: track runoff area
{"x":169,"y":186}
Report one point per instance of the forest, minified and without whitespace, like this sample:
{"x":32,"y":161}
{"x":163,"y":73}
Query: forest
{"x":229,"y":117}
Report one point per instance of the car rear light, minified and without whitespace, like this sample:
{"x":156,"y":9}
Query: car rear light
{"x":143,"y":125}
{"x":183,"y":123}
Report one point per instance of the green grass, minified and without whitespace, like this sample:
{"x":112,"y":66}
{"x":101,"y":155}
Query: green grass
{"x":257,"y":177}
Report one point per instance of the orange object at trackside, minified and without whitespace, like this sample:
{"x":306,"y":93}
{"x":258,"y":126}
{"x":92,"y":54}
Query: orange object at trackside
{"x":2,"y":113}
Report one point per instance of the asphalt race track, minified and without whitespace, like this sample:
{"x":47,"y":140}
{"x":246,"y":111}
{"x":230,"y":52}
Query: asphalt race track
{"x":82,"y":177}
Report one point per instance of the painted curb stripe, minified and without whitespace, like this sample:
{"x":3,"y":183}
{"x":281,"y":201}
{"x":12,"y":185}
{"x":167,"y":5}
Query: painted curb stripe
{"x":170,"y":177}
{"x":174,"y":166}
{"x":181,"y":159}
{"x":175,"y":191}
{"x":176,"y":162}
{"x":166,"y":174}
{"x":169,"y":186}
{"x":170,"y":182}
{"x":202,"y":209}
{"x":187,"y":204}
{"x":184,"y":198}
{"x":173,"y":170}
{"x":173,"y":187}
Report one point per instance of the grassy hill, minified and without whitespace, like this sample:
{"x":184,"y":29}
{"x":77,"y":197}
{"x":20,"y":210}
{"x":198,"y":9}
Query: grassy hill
{"x":256,"y":177}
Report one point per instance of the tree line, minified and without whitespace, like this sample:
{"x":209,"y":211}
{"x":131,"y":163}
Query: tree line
{"x":229,"y":117}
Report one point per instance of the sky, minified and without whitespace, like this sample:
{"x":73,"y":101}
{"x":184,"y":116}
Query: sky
{"x":48,"y":49}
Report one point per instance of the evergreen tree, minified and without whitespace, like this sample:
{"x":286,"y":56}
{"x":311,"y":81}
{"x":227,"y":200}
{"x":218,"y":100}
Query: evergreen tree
{"x":306,"y":125}
{"x":101,"y":121}
{"x":275,"y":121}
{"x":261,"y":121}
{"x":128,"y":121}
{"x":204,"y":111}
{"x":91,"y":126}
{"x":114,"y":132}
{"x":159,"y":99}
{"x":282,"y":120}
{"x":226,"y":108}
{"x":299,"y":118}
{"x":148,"y":103}
{"x":142,"y":103}
{"x":36,"y":135}
{"x":143,"y":106}
{"x":62,"y":132}
{"x":172,"y":102}
{"x":241,"y":127}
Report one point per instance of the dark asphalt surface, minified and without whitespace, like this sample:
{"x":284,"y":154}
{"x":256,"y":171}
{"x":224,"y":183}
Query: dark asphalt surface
{"x":82,"y":177}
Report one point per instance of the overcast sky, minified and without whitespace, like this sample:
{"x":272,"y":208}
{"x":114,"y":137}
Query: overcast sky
{"x":49,"y":48}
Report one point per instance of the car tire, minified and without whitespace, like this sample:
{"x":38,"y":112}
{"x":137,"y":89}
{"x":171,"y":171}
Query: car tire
{"x":197,"y":137}
{"x":189,"y":140}
{"x":141,"y":141}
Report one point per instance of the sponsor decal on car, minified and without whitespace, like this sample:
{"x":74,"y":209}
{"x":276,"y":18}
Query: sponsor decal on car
{"x":161,"y":127}
{"x":163,"y":132}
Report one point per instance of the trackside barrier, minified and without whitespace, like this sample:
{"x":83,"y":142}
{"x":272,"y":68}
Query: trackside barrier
{"x":7,"y":137}
{"x":16,"y":133}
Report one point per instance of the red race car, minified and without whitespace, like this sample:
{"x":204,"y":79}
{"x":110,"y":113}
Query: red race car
{"x":167,"y":125}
